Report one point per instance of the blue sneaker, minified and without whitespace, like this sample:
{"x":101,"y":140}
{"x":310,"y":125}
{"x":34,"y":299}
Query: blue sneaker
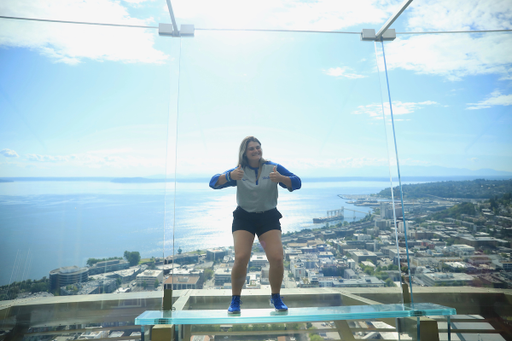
{"x":278,"y":303}
{"x":234,"y":307}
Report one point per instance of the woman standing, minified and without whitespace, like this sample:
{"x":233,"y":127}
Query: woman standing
{"x":256,"y":182}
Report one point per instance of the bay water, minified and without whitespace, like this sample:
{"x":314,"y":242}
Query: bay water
{"x":45,"y":225}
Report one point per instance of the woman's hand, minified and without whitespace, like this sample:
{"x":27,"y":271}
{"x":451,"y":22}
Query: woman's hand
{"x":237,"y":174}
{"x":275,"y":176}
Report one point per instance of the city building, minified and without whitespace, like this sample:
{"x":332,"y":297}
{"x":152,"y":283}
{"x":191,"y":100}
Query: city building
{"x":91,"y":335}
{"x":179,"y":282}
{"x":216,"y":255}
{"x":258,"y":260}
{"x":186,"y":258}
{"x":68,"y":275}
{"x":109,"y":266}
{"x":463,"y":250}
{"x":222,"y":275}
{"x":149,"y":278}
{"x":445,"y":279}
{"x":363,"y":255}
{"x":364,"y":282}
{"x":126,"y":275}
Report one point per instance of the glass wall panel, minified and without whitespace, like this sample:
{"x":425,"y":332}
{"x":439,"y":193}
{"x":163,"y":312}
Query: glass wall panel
{"x":453,"y":141}
{"x":313,"y":100}
{"x":83,"y":134}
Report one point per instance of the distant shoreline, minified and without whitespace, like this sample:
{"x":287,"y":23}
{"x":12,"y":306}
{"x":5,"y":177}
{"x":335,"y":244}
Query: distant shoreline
{"x":138,"y":180}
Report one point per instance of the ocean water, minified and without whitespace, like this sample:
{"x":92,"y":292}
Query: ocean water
{"x":45,"y":225}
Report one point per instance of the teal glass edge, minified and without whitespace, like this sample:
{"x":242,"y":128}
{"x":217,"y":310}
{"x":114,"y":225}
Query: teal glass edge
{"x":187,"y":317}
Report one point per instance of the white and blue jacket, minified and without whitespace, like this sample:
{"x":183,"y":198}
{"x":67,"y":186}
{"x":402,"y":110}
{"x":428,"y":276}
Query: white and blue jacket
{"x":257,"y":195}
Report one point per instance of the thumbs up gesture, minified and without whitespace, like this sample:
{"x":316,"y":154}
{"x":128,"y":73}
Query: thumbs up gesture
{"x":237,"y":174}
{"x":275,"y":176}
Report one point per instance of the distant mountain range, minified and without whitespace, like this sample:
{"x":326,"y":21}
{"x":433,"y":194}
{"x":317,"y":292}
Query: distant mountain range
{"x":445,"y":171}
{"x":408,"y":173}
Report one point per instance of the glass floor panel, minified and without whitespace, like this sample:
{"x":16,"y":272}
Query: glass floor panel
{"x":184,"y":317}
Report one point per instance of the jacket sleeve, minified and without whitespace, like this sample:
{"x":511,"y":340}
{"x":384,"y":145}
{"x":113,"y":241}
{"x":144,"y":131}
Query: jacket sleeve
{"x":215,"y":178}
{"x":296,"y":182}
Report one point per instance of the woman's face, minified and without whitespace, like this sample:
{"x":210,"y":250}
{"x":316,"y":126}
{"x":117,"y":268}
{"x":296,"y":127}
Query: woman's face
{"x":253,"y":153}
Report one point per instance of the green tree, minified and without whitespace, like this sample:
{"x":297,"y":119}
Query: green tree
{"x":156,"y":283}
{"x":208,"y":273}
{"x":92,"y":261}
{"x":315,"y":337}
{"x":260,"y":327}
{"x":132,"y":257}
{"x":293,"y":326}
{"x":389,"y":282}
{"x":239,"y":328}
{"x":277,"y":326}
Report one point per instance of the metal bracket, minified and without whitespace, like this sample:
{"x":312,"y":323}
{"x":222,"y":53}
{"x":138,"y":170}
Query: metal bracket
{"x":369,"y":35}
{"x":168,"y":30}
{"x":187,"y":30}
{"x":165,"y":29}
{"x":385,"y":33}
{"x":172,"y":29}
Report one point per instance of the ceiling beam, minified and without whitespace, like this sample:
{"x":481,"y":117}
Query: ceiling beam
{"x":174,"y":25}
{"x":391,"y":20}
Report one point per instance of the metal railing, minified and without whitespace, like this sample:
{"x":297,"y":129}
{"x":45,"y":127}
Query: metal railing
{"x":490,"y":309}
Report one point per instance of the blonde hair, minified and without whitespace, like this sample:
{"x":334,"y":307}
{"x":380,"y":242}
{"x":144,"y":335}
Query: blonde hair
{"x":242,"y":157}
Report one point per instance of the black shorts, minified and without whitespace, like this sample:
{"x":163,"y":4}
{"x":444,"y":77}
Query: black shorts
{"x":256,"y":223}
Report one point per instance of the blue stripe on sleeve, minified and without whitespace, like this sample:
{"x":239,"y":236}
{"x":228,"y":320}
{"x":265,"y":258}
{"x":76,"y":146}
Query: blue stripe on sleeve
{"x":215,"y":178}
{"x":296,"y":182}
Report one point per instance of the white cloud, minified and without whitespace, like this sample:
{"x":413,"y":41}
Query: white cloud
{"x":453,"y":55}
{"x":333,"y":14}
{"x":8,"y":153}
{"x":495,"y":98}
{"x":453,"y":15}
{"x":99,"y":159}
{"x":338,"y":163}
{"x":71,"y":43}
{"x":284,"y":14}
{"x":136,"y":2}
{"x":47,"y":158}
{"x":399,"y":108}
{"x":340,"y":72}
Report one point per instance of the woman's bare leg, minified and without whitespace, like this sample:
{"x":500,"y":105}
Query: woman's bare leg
{"x":271,"y":243}
{"x":243,"y":246}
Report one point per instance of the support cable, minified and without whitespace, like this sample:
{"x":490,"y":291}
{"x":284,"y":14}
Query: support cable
{"x":399,"y":178}
{"x":236,"y":29}
{"x":76,"y":22}
{"x":389,"y":168}
{"x":176,"y":160}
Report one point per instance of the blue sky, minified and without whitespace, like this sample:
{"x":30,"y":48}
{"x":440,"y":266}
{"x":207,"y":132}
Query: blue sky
{"x":81,"y":100}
